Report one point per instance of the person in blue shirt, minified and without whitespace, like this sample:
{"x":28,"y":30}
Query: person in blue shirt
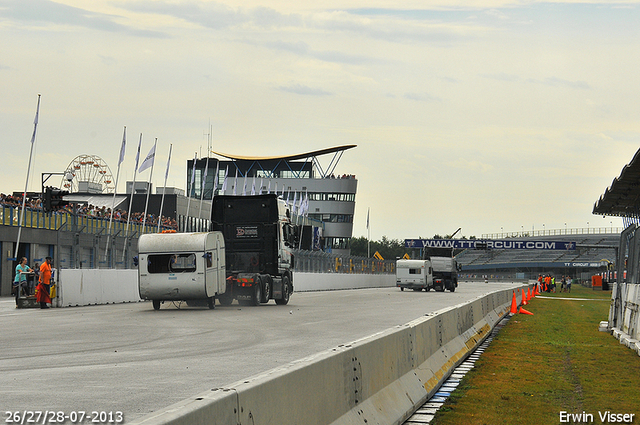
{"x":20,"y":281}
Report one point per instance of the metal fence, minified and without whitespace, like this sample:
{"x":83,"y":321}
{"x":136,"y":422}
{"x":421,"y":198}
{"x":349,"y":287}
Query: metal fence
{"x":83,"y":240}
{"x":10,"y":216}
{"x":323,"y":262}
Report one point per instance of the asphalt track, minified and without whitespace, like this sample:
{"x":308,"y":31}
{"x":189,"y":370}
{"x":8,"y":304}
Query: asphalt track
{"x":132,"y":359}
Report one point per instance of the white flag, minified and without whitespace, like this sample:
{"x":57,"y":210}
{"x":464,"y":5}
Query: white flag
{"x":235,"y":183}
{"x":138,"y":154}
{"x":204,"y":178}
{"x":215,"y":180}
{"x":244,"y":186}
{"x":253,"y":186}
{"x":124,"y":143}
{"x":295,"y":198}
{"x":224,"y":183}
{"x":148,"y":161}
{"x":193,"y":174}
{"x":166,"y":174}
{"x":260,"y":191}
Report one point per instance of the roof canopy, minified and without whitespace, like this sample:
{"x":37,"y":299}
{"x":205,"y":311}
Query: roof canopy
{"x":287,"y":157}
{"x":622,"y":198}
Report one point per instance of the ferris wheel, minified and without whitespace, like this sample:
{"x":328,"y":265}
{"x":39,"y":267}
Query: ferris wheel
{"x":88,"y":172}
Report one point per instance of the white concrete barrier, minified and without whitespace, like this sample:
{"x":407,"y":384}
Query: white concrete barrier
{"x":334,"y":281}
{"x":628,"y":332}
{"x":78,"y":287}
{"x":376,"y":380}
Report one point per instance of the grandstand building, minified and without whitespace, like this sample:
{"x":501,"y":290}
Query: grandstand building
{"x":595,"y":252}
{"x":327,"y":197}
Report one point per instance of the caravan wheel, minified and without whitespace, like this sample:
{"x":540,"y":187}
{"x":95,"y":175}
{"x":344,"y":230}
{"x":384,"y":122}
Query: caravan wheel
{"x":156,"y":304}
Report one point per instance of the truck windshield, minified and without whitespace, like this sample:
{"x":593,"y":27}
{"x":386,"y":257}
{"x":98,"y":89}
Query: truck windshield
{"x":171,"y":263}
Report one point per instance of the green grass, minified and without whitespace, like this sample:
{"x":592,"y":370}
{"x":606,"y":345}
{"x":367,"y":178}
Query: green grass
{"x":553,"y":361}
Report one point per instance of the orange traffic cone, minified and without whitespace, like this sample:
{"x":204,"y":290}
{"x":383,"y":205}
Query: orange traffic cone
{"x":514,"y":304}
{"x":529,"y":294}
{"x":523,"y":311}
{"x":524,"y":298}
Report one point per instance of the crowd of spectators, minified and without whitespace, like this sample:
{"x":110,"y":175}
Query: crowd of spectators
{"x":88,"y":210}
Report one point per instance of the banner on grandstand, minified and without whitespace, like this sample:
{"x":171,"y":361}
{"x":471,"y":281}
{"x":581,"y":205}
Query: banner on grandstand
{"x":490,"y":244}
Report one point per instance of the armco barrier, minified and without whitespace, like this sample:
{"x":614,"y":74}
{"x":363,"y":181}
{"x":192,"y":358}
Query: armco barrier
{"x":380,"y":379}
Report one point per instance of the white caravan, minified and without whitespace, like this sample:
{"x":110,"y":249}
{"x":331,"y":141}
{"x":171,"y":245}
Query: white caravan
{"x":181,"y":267}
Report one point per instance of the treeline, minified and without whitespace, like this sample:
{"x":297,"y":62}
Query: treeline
{"x":390,"y":249}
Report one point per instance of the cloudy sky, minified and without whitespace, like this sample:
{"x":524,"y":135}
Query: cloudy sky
{"x":487,"y":115}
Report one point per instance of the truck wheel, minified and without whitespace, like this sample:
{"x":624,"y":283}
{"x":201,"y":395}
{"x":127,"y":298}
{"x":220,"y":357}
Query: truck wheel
{"x":286,"y":293}
{"x":401,"y":289}
{"x":256,"y":297}
{"x":265,"y":291}
{"x":428,"y":288}
{"x":156,"y":304}
{"x":417,"y":289}
{"x":211,"y":302}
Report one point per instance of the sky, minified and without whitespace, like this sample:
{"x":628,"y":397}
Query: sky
{"x":490,"y":116}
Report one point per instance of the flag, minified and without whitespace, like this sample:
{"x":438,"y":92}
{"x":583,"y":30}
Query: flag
{"x":215,"y":180}
{"x":204,"y":178}
{"x":148,"y":161}
{"x":33,"y":137}
{"x":193,"y":174}
{"x":295,"y":198}
{"x":124,"y":143}
{"x":166,"y":174}
{"x":269,"y":189}
{"x":138,"y":154}
{"x":235,"y":183}
{"x":244,"y":186}
{"x":253,"y":186}
{"x":224,"y":183}
{"x":260,"y":191}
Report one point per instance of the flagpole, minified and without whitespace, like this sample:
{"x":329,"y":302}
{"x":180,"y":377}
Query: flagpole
{"x":368,"y":234}
{"x":166,"y":174}
{"x":146,"y":205}
{"x":26,"y":184}
{"x":115,"y":190}
{"x":133,"y":191}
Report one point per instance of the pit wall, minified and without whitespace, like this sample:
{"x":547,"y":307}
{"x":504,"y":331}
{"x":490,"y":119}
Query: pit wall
{"x":629,"y":331}
{"x":79,"y":287}
{"x":380,"y":379}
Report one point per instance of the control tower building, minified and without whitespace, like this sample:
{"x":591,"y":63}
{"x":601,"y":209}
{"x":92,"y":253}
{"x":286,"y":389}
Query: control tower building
{"x":327,"y":196}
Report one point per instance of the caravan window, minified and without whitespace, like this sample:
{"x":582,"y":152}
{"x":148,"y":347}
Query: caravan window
{"x":415,"y":271}
{"x":171,"y":263}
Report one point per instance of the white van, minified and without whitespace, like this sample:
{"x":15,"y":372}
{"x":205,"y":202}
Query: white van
{"x":181,"y":267}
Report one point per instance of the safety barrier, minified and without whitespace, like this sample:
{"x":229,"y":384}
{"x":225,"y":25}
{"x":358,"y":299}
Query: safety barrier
{"x":78,"y":287}
{"x":376,"y":380}
{"x":628,"y":331}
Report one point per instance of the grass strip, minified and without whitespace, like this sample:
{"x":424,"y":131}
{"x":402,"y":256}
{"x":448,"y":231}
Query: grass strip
{"x":554,"y":361}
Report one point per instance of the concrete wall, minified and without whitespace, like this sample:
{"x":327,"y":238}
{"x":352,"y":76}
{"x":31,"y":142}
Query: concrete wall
{"x":332,"y":281}
{"x":78,"y":287}
{"x":377,"y":380}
